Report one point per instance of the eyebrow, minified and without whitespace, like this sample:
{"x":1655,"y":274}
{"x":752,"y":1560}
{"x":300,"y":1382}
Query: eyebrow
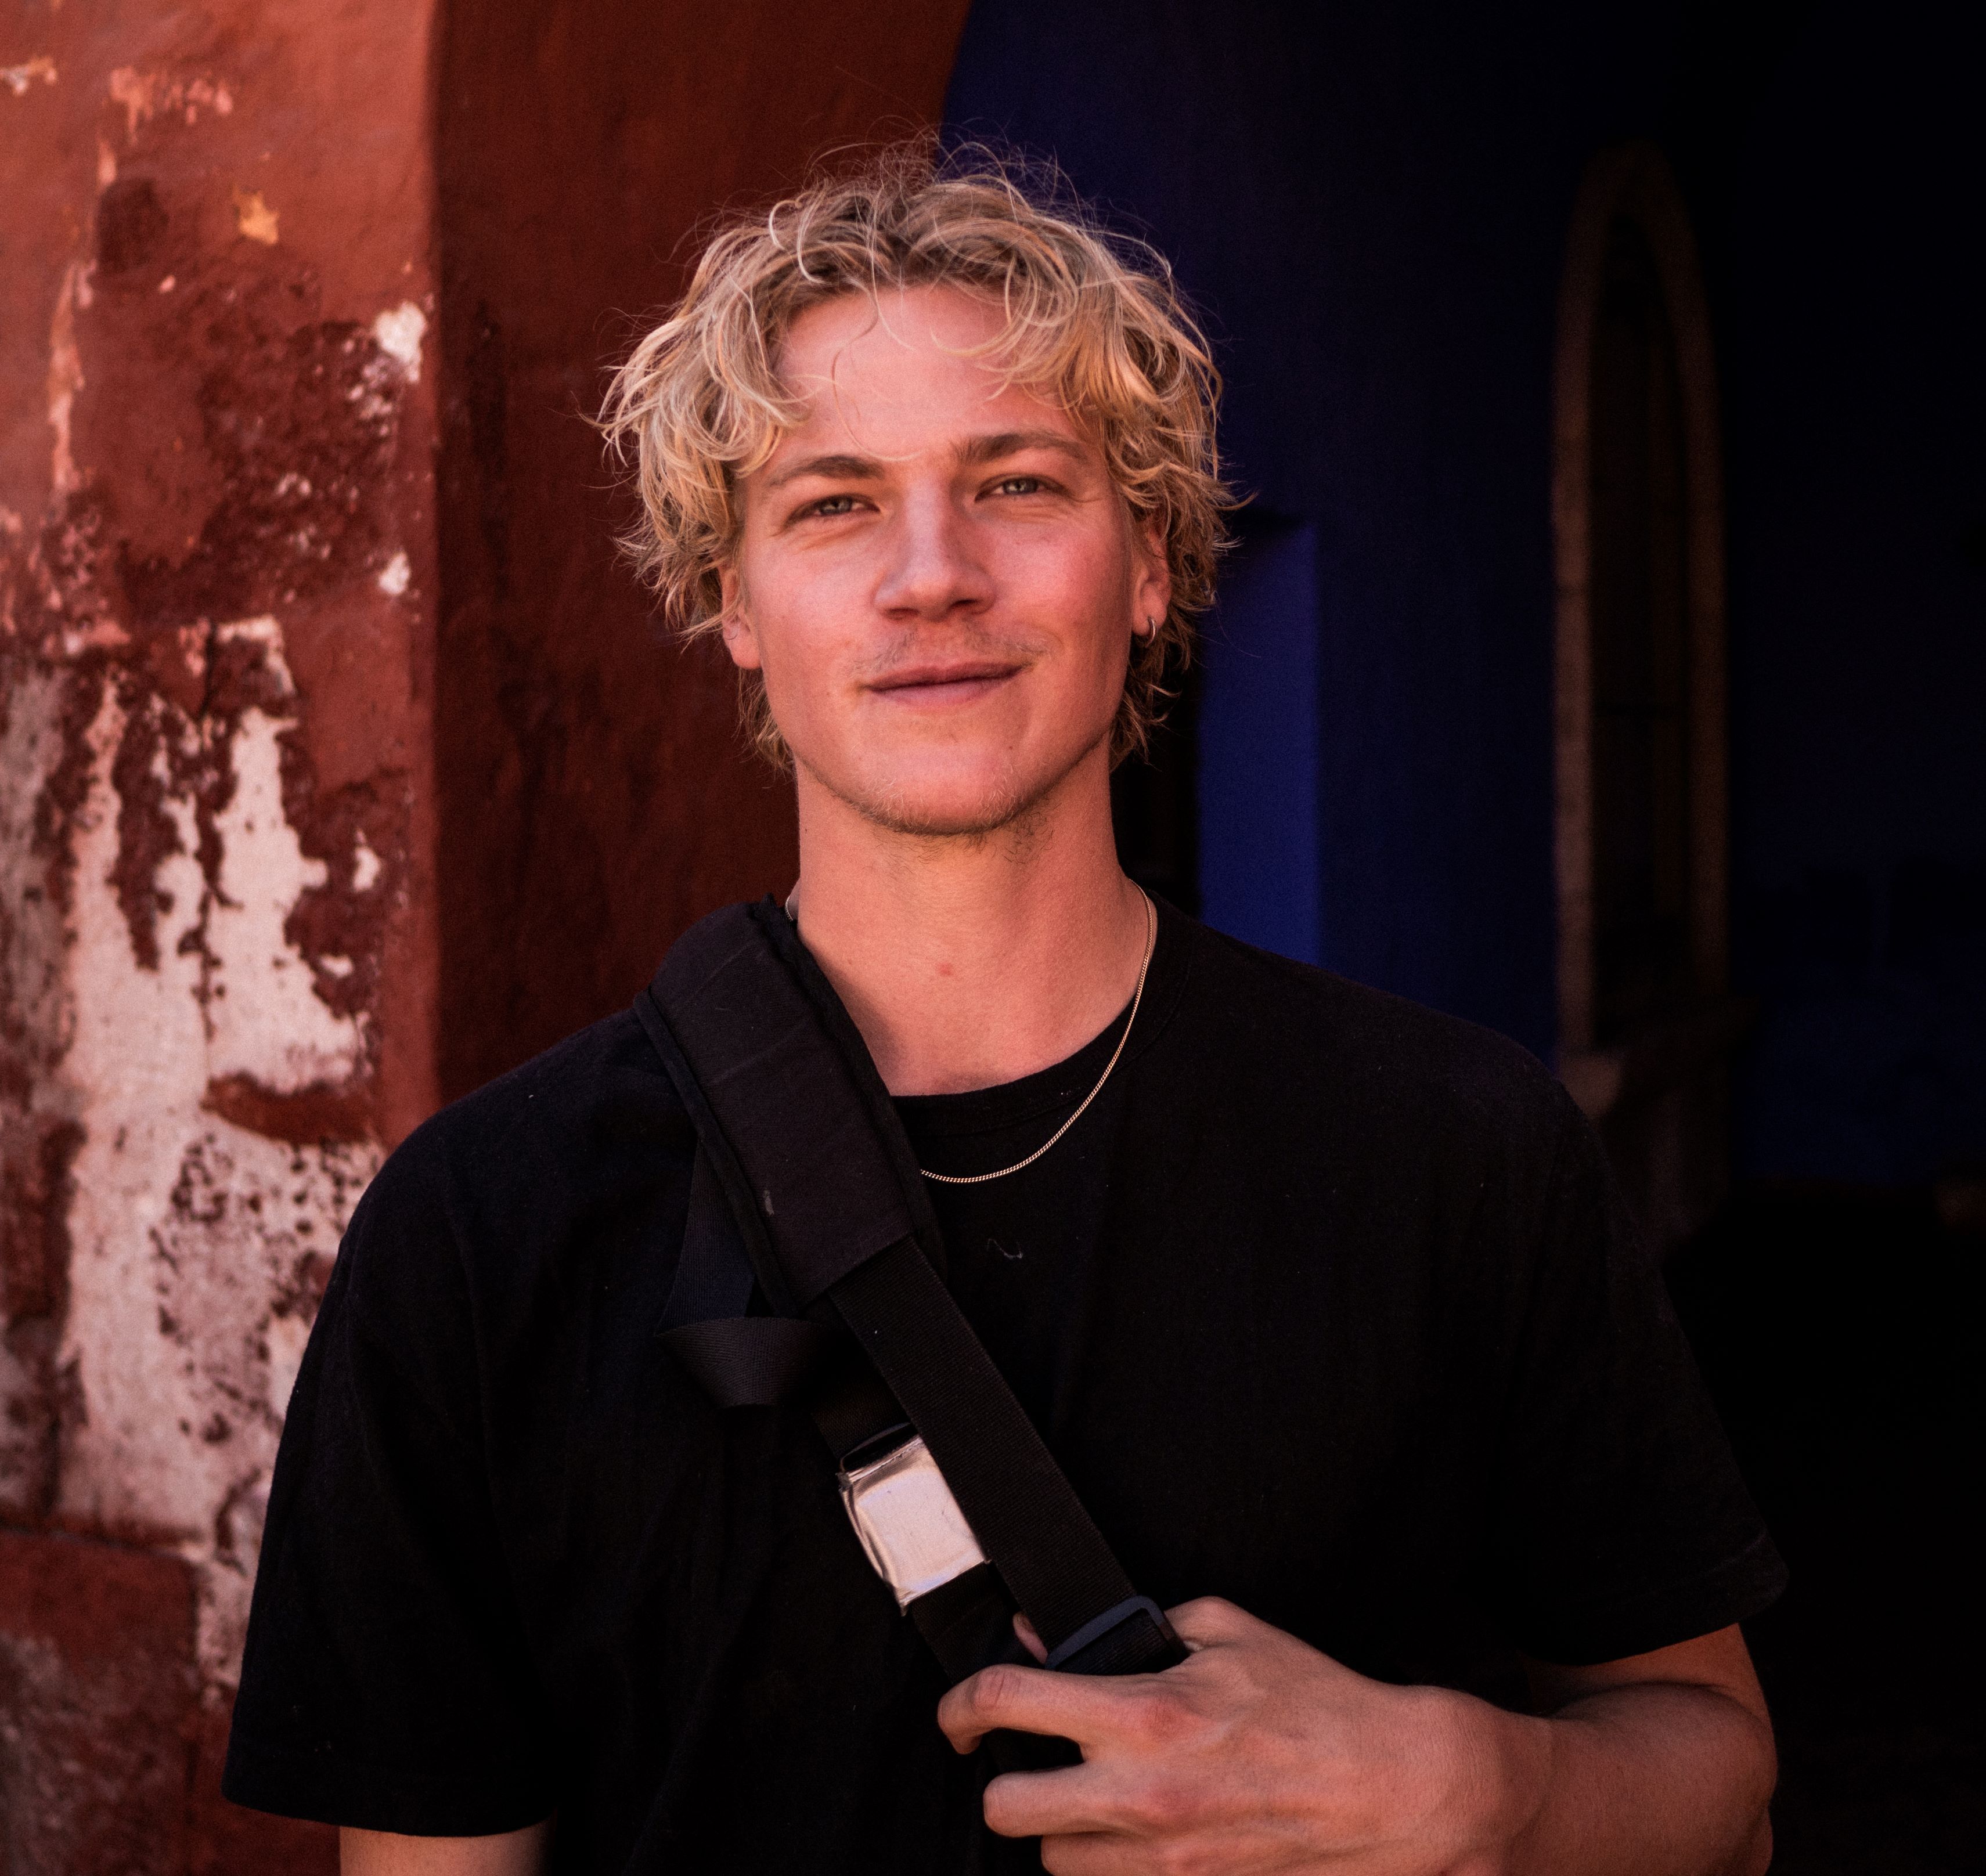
{"x":1011,"y":443}
{"x":841,"y":467}
{"x":838,"y":468}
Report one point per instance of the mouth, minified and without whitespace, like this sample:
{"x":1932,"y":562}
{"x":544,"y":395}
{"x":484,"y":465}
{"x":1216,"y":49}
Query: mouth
{"x":953,"y":681}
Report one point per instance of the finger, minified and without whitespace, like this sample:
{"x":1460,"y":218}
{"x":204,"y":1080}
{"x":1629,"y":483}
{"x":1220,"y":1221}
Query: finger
{"x":1031,"y":1642}
{"x":1095,"y":1854}
{"x":1075,"y":1800}
{"x":1076,"y":1707}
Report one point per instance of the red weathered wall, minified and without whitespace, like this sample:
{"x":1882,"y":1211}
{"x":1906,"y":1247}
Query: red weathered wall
{"x":217,"y":961}
{"x":341,"y":765}
{"x":592,"y":799}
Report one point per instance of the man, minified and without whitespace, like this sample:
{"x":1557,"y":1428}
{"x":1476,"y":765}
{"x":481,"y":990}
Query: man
{"x":1323,"y":1301}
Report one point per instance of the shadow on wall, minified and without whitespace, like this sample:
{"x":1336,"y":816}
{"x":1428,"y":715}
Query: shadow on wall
{"x":1856,"y":394}
{"x":1838,"y":1332}
{"x":1865,"y":1066}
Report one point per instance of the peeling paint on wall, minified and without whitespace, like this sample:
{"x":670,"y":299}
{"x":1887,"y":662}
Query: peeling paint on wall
{"x":399,"y":334}
{"x":254,"y":217}
{"x":17,"y":78}
{"x":195,"y":1245}
{"x":195,"y":922}
{"x":144,"y":95}
{"x":65,"y":381}
{"x":214,"y":745}
{"x":184,"y":1225}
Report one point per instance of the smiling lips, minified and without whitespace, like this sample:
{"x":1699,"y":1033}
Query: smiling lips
{"x":933,"y":684}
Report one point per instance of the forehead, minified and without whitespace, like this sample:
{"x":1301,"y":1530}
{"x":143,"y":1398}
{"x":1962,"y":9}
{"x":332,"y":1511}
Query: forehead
{"x":906,"y":365}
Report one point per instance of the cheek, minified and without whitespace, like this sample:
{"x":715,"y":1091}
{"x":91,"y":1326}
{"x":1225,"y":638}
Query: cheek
{"x":765,"y":612}
{"x":1083,"y":585}
{"x":796,"y":650}
{"x":1110,"y":616}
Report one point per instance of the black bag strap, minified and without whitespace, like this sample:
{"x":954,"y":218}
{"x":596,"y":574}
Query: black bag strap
{"x":800,"y":1131}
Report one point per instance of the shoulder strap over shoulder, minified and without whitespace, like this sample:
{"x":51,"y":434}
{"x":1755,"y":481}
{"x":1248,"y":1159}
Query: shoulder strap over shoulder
{"x":799,"y":1128}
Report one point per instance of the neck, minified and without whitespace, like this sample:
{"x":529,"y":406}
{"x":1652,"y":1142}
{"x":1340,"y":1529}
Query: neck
{"x":968,"y":961}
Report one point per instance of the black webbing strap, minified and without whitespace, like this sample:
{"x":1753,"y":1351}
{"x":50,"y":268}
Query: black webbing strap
{"x":801,"y":1134}
{"x":1026,"y":1516}
{"x":739,"y":1358}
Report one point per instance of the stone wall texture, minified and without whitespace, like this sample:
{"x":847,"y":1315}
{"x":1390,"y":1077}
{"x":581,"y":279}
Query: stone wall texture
{"x":341,"y":766}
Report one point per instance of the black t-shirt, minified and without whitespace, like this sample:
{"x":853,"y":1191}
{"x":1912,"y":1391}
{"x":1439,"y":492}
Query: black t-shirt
{"x":1326,"y":1306}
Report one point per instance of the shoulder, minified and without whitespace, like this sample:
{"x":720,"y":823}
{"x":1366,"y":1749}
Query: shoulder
{"x":523,"y":1160}
{"x":1381,"y":1061}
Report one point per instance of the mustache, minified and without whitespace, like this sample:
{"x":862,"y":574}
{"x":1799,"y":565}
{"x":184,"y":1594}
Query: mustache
{"x":918,"y":647}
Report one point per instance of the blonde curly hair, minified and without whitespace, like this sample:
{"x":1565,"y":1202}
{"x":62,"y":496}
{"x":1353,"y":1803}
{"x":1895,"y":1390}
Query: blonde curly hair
{"x":1092,"y":320}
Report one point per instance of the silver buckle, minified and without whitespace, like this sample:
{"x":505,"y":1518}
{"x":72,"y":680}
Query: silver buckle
{"x":909,"y":1522}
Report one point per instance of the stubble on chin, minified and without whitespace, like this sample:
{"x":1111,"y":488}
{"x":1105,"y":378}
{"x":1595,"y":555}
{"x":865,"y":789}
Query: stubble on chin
{"x":1013,"y":811}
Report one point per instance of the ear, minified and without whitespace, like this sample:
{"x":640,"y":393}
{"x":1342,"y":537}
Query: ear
{"x":1152,"y":587}
{"x":739,"y":638}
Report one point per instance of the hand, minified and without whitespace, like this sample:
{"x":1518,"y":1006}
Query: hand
{"x":1257,"y":1754}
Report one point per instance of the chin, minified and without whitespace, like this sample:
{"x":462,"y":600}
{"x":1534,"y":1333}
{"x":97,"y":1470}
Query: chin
{"x":950,"y":805}
{"x":951,"y":813}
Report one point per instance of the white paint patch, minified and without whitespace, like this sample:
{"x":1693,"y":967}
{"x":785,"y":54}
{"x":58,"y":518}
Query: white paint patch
{"x":223,"y":1267}
{"x":254,"y":218}
{"x":17,"y":78}
{"x":192,"y":1237}
{"x":399,"y":334}
{"x":144,"y":94}
{"x":394,"y":575}
{"x":106,"y":164}
{"x":102,"y":633}
{"x":366,"y":865}
{"x":134,"y":92}
{"x":287,"y":1337}
{"x":65,"y":379}
{"x":265,"y":1018}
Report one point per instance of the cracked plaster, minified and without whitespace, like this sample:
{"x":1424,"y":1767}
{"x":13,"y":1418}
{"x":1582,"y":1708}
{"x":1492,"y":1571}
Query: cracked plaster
{"x":203,"y":848}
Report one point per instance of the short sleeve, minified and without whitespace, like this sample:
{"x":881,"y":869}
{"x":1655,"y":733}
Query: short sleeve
{"x":1621,"y":1524}
{"x":385,"y":1683}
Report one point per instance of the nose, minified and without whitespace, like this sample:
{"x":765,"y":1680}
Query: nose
{"x":931,"y":570}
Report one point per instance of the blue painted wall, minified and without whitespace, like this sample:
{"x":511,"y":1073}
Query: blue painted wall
{"x":1261,"y":854}
{"x":1369,"y":200}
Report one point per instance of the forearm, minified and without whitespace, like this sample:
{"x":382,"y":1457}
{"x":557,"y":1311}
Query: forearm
{"x":1661,"y":1779}
{"x":385,"y":1853}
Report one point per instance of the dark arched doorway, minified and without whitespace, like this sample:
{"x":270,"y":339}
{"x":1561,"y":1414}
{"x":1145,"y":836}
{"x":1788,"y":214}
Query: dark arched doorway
{"x":1645,"y":1020}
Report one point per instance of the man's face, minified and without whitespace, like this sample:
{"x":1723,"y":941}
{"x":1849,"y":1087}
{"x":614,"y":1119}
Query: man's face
{"x":935,"y":573}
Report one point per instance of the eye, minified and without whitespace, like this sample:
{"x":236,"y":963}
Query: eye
{"x":1019,"y":484}
{"x":829,"y":506}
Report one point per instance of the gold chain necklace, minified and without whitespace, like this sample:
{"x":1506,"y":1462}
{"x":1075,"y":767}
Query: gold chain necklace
{"x":1137,"y":997}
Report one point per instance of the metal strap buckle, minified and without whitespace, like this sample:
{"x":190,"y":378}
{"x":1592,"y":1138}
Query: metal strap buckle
{"x":909,"y":1523}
